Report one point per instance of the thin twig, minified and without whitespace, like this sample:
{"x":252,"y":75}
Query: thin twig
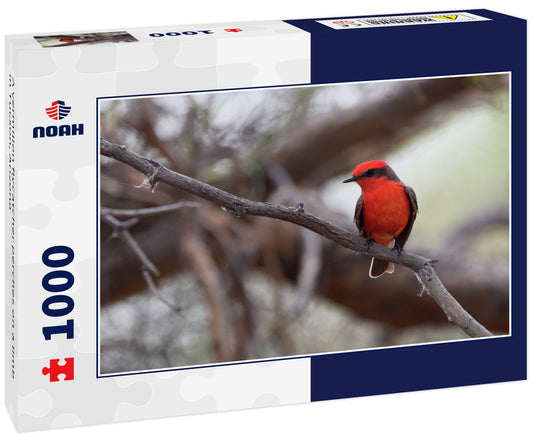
{"x":149,"y":211}
{"x":155,"y":290}
{"x":296,"y":215}
{"x":121,"y":229}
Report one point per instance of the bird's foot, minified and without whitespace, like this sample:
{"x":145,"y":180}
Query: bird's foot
{"x":369,"y":243}
{"x":397,"y":249}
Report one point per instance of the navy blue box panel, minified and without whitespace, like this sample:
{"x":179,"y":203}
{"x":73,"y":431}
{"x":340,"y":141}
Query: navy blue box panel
{"x":393,"y":52}
{"x":416,"y":368}
{"x":414,"y":51}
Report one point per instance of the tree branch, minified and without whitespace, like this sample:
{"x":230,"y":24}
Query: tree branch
{"x":310,"y":251}
{"x":245,"y":332}
{"x":204,"y":267}
{"x":148,"y":211}
{"x":155,"y":290}
{"x":238,"y":206}
{"x":121,"y":229}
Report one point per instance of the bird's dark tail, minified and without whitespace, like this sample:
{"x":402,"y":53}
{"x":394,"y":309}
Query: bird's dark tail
{"x":379,"y":267}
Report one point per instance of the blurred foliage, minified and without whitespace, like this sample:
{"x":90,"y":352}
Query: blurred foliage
{"x":458,"y":168}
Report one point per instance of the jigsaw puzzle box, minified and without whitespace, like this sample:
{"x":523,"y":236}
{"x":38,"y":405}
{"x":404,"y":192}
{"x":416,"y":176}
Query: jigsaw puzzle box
{"x":180,"y":234}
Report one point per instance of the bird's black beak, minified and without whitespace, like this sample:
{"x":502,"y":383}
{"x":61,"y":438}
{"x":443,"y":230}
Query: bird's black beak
{"x":353,"y":178}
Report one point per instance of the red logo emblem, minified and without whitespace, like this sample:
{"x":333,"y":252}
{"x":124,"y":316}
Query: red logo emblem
{"x":58,"y":110}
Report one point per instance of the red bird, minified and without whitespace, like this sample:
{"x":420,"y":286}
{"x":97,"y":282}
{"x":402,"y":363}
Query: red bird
{"x":386,"y":210}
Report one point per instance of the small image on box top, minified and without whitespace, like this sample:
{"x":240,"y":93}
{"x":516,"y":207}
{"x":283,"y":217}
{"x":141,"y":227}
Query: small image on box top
{"x":89,"y":38}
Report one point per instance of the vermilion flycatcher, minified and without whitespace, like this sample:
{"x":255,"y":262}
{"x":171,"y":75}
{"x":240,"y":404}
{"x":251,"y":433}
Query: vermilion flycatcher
{"x":386,"y":210}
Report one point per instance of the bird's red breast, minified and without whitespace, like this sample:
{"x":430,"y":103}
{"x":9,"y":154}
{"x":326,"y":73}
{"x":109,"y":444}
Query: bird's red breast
{"x":386,"y":209}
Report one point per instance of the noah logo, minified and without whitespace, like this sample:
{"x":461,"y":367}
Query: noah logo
{"x":57,"y":111}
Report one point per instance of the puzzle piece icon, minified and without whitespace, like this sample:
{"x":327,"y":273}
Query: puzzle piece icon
{"x":55,"y":369}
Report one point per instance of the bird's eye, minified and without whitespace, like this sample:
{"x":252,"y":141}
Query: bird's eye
{"x":371,"y":172}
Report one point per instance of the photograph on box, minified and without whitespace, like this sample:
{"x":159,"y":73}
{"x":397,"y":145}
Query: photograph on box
{"x":85,"y":38}
{"x":206,"y":200}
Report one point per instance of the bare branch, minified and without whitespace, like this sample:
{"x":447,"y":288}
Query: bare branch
{"x":486,"y":220}
{"x":310,"y":252}
{"x":121,"y":229}
{"x":310,"y":266}
{"x":155,"y":290}
{"x":205,"y":269}
{"x":296,"y":215}
{"x":311,"y":263}
{"x":149,"y":211}
{"x":244,"y":328}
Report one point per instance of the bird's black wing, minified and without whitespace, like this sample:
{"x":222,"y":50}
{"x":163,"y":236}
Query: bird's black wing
{"x":358,"y":217}
{"x":402,"y":237}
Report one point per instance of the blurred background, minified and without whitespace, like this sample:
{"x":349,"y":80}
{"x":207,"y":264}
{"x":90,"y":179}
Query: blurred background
{"x":252,"y":287}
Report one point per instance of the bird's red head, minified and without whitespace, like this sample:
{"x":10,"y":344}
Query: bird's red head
{"x":365,"y":166}
{"x":372,"y":173}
